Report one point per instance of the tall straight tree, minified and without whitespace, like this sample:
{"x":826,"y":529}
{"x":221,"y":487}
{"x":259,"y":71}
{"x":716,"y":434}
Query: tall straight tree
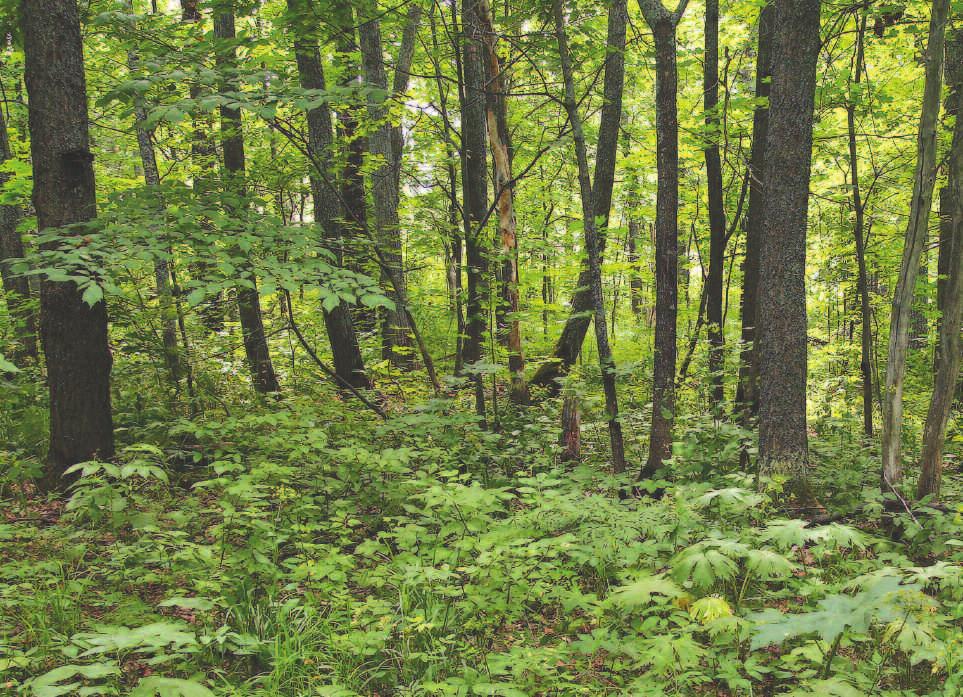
{"x":346,"y":353}
{"x":16,"y":288}
{"x":73,"y":332}
{"x":915,"y":238}
{"x":395,"y":330}
{"x":232,"y":145}
{"x":474,"y":185}
{"x":496,"y":106}
{"x":948,"y":349}
{"x":783,"y":444}
{"x":747,"y":397}
{"x":592,"y":247}
{"x":717,"y":213}
{"x":663,"y":24}
{"x":569,"y":344}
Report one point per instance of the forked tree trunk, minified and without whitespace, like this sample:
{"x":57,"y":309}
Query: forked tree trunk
{"x":663,"y":25}
{"x":592,"y":248}
{"x":496,"y":106}
{"x":256,"y":350}
{"x":569,"y":344}
{"x":915,"y":237}
{"x":74,"y":334}
{"x":948,"y":350}
{"x":346,"y":353}
{"x":783,"y":443}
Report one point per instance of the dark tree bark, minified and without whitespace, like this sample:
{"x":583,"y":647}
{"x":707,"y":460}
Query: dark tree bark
{"x":783,"y":444}
{"x":346,"y":352}
{"x":859,"y":232}
{"x":73,"y":333}
{"x":717,"y":214}
{"x":593,"y":251}
{"x":474,"y":185}
{"x":569,"y":344}
{"x":16,"y":288}
{"x":496,"y":105}
{"x":395,"y":329}
{"x":914,"y":240}
{"x":747,"y":397}
{"x":663,"y":25}
{"x":948,"y":349}
{"x":263,"y":376}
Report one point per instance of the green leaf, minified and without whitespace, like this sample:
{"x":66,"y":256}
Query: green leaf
{"x":640,"y":592}
{"x":169,"y":687}
{"x":93,"y":294}
{"x":50,"y":683}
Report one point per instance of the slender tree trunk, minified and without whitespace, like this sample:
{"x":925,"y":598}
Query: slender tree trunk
{"x":474,"y":185}
{"x":16,"y":288}
{"x":948,"y":350}
{"x":203,"y":157}
{"x":496,"y":105}
{"x":400,"y":79}
{"x":569,"y":344}
{"x":395,"y":331}
{"x":592,"y":244}
{"x":162,"y":280}
{"x":74,"y":334}
{"x":346,"y":353}
{"x":632,"y":254}
{"x":259,"y":363}
{"x":859,"y":206}
{"x":717,"y":214}
{"x":747,"y":396}
{"x":783,"y":443}
{"x":915,"y":238}
{"x":663,"y":25}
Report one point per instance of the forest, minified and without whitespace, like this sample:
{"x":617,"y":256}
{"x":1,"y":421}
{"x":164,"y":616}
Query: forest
{"x":463,"y":347}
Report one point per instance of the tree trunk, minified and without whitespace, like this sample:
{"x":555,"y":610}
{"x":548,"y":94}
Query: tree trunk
{"x":162,"y":279}
{"x":915,"y":237}
{"x":259,"y":363}
{"x":859,"y":206}
{"x":948,"y":350}
{"x":569,"y":344}
{"x":74,"y":334}
{"x":346,"y":353}
{"x":747,"y":397}
{"x":16,"y":288}
{"x":663,"y":26}
{"x":395,"y":331}
{"x":474,"y":185}
{"x":717,"y":214}
{"x":632,"y":255}
{"x":783,"y":444}
{"x":496,"y":105}
{"x":592,"y":245}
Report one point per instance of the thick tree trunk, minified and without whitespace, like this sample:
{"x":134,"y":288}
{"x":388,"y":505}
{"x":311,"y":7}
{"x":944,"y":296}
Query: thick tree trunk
{"x":16,"y":288}
{"x":663,"y":25}
{"x":747,"y":397}
{"x":948,"y":350}
{"x":346,"y":353}
{"x":259,"y":363}
{"x":496,"y":105}
{"x":783,"y":444}
{"x":395,"y":331}
{"x":914,"y":240}
{"x":474,"y":185}
{"x":717,"y":214}
{"x":866,"y":341}
{"x":73,"y":333}
{"x":593,"y":250}
{"x":569,"y":344}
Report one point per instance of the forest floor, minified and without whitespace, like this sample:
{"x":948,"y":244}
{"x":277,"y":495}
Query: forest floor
{"x":301,"y":549}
